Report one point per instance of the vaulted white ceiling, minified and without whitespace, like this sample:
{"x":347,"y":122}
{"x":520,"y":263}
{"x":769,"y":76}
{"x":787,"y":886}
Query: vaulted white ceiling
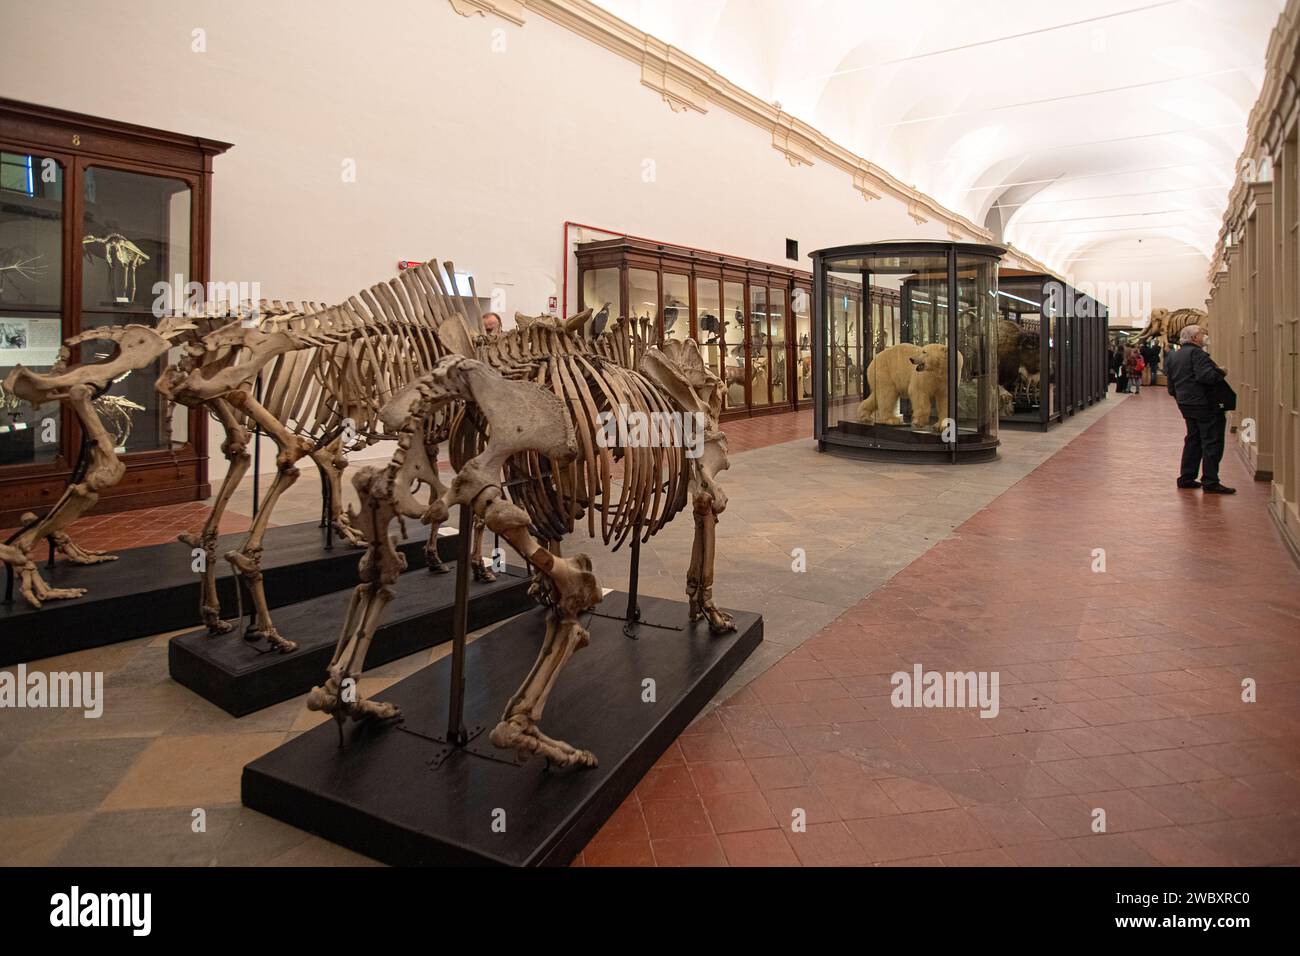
{"x":1090,"y":131}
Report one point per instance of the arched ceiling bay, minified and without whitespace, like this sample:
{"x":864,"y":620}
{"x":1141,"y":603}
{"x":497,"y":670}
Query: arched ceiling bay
{"x":1081,"y":131}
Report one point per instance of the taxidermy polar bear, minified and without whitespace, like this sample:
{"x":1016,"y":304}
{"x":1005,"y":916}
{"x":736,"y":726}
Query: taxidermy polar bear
{"x":919,"y":372}
{"x":889,"y":376}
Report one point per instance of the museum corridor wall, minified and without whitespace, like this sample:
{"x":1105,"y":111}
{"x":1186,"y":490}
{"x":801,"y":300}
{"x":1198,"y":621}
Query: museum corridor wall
{"x":466,"y":136}
{"x":1254,"y":303}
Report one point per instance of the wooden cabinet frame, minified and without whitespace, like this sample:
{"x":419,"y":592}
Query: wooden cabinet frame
{"x":79,"y":142}
{"x":626,"y":253}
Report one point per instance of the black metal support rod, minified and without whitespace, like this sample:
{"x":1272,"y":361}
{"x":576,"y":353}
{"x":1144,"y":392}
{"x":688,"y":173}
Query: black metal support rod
{"x":328,"y":507}
{"x":634,"y":578}
{"x":459,"y":626}
{"x":257,"y":448}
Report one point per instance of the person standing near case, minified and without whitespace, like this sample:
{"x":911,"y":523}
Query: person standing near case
{"x":1133,"y":365}
{"x":1151,"y":356}
{"x":1193,"y":378}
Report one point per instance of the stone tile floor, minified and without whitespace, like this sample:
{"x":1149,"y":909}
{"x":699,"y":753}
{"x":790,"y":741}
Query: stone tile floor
{"x":1119,"y":690}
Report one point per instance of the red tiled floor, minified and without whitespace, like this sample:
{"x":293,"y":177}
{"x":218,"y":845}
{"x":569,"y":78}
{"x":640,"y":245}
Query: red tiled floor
{"x":1120,"y":691}
{"x":745,"y":434}
{"x":141,"y":528}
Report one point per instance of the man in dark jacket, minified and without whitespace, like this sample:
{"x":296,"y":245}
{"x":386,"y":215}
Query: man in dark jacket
{"x":1192,"y":374}
{"x":1151,"y":355}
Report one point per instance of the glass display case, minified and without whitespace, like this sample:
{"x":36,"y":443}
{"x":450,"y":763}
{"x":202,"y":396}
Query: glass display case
{"x":93,"y":216}
{"x":905,"y":350}
{"x":752,"y":319}
{"x":1051,"y":349}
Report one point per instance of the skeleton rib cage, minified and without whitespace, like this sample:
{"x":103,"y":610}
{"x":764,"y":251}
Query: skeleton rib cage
{"x":591,"y":376}
{"x":353,"y":356}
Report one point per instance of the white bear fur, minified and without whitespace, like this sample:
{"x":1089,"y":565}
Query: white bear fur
{"x":919,"y":372}
{"x":889,"y":376}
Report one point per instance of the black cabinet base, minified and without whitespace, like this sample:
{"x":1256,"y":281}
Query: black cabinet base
{"x":241,"y":677}
{"x":382,"y":795}
{"x":154,"y":589}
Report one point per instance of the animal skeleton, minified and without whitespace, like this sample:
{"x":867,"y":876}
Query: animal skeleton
{"x":116,"y":412}
{"x":119,"y":251}
{"x":533,"y":398}
{"x":1164,"y":326}
{"x":135,"y":347}
{"x":328,"y":373}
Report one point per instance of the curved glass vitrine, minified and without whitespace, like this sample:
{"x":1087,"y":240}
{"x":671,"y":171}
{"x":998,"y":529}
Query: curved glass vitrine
{"x":916,"y":373}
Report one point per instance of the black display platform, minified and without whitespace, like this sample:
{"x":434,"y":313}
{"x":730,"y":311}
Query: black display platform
{"x":152,"y":590}
{"x":380,"y":795}
{"x":241,"y":677}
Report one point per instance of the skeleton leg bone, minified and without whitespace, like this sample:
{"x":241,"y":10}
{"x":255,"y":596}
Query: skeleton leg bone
{"x":332,"y":463}
{"x":380,"y":569}
{"x":482,"y":572}
{"x":338,"y":696}
{"x":104,"y":471}
{"x":247,"y":560}
{"x":235,"y":448}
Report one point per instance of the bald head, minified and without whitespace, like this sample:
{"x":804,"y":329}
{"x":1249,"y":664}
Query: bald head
{"x":1193,"y":334}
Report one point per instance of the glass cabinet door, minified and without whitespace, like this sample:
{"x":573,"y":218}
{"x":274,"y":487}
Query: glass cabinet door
{"x":978,"y":398}
{"x":708,"y":320}
{"x":135,"y":242}
{"x":600,"y":294}
{"x":837,"y":342}
{"x":801,"y":307}
{"x":759,"y":347}
{"x":733,"y":325}
{"x":778,"y":356}
{"x":677,"y":307}
{"x":643,"y":298}
{"x":32,"y":210}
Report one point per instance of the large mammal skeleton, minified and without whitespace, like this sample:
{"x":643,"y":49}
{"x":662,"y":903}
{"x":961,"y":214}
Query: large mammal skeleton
{"x":78,"y":388}
{"x":533,"y":402}
{"x":327,"y":374}
{"x":134,"y":347}
{"x":1164,"y":326}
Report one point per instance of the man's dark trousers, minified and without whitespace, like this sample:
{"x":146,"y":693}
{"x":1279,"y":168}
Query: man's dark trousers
{"x":1203,"y":446}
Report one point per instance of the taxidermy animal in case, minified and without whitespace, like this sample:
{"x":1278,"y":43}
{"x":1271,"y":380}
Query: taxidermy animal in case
{"x":533,"y":407}
{"x":889,"y":376}
{"x":920,"y":373}
{"x":1017,"y":348}
{"x":929,"y":385}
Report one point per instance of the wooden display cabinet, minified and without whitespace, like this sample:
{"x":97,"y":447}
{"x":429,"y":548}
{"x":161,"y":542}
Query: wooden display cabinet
{"x":94,"y":213}
{"x":750,"y":318}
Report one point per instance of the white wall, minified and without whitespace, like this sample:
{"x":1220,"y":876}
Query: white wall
{"x":463,"y":149}
{"x":1143,"y":275}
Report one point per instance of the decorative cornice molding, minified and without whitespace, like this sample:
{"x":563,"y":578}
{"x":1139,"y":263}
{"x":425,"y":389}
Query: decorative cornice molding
{"x":786,"y":139}
{"x":1271,"y":118}
{"x":687,"y":84}
{"x":512,"y":10}
{"x":662,"y":72}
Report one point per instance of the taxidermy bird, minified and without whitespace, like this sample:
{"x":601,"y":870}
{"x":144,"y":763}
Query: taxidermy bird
{"x":709,"y":323}
{"x":670,"y":318}
{"x":599,"y":320}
